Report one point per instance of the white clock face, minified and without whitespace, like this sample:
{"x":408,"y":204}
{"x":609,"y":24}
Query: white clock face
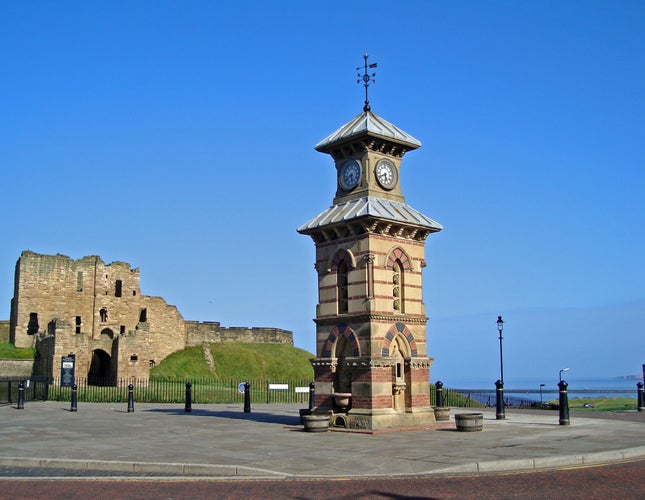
{"x":386,"y":174}
{"x":350,"y":174}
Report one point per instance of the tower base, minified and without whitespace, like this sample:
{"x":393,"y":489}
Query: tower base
{"x":372,"y":420}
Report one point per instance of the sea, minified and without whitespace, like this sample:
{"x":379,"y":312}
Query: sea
{"x":529,"y":388}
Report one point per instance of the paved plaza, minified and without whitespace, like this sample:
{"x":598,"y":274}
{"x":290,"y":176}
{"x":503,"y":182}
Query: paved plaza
{"x":222,"y":440}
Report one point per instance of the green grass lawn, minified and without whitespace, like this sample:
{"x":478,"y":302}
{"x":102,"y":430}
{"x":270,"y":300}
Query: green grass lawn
{"x":602,"y":404}
{"x":10,"y":351}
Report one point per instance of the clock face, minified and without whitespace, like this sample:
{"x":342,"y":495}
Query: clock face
{"x":350,"y":174}
{"x":386,"y":173}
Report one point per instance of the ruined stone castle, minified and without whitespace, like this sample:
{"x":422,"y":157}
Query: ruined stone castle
{"x":96,"y":312}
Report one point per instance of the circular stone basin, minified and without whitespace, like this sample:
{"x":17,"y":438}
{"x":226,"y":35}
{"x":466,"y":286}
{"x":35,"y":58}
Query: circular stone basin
{"x":342,"y":398}
{"x":469,"y":422}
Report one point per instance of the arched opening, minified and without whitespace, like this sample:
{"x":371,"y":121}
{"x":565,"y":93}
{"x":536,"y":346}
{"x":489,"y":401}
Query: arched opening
{"x":399,"y":382}
{"x":398,"y":287}
{"x":343,"y":376}
{"x":99,"y":373}
{"x":108,"y":332}
{"x":341,"y":287}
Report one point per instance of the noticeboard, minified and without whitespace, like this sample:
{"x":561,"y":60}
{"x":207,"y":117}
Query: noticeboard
{"x":67,"y":371}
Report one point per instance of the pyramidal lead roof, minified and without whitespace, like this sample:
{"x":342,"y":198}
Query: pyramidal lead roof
{"x":370,"y":206}
{"x":369,"y":124}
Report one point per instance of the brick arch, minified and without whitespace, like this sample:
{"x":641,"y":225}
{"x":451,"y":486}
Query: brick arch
{"x":398,"y":254}
{"x":339,"y":330}
{"x":396,"y":330}
{"x":342,"y":255}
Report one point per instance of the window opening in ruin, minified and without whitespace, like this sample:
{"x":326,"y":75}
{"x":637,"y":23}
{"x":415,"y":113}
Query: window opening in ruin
{"x":341,"y":287}
{"x":122,"y":329}
{"x":134,"y":292}
{"x":78,"y":324}
{"x":79,"y":281}
{"x":134,"y":357}
{"x":143,"y":316}
{"x":118,"y":288}
{"x":152,"y":363}
{"x":32,"y":326}
{"x":397,"y":286}
{"x":108,"y":332}
{"x":103,"y":313}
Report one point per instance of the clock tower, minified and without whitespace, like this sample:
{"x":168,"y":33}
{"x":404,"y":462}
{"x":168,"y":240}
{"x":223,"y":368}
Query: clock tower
{"x":372,"y":368}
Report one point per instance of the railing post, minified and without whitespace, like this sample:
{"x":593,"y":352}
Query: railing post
{"x":74,"y":406}
{"x":312,"y":394}
{"x":439,"y":394}
{"x":21,"y":396}
{"x":247,"y":397}
{"x":130,"y":398}
{"x":499,"y":391}
{"x":188,"y":407}
{"x":564,"y":403}
{"x":641,"y":397}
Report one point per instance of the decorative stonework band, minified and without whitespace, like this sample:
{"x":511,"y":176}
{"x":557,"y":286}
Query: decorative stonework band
{"x":349,"y":334}
{"x":396,"y":329}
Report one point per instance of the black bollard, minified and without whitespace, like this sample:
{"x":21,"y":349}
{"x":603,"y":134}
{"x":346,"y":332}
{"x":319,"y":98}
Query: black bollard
{"x":641,"y":397}
{"x":312,"y":395}
{"x":439,"y":398}
{"x":21,"y":396}
{"x":247,"y":397}
{"x":564,"y":403}
{"x":130,"y":398}
{"x":74,"y":398}
{"x":188,"y":408}
{"x":501,"y":412}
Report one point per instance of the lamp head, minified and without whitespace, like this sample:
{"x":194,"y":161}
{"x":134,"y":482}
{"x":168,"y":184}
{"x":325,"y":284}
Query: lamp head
{"x":500,"y":323}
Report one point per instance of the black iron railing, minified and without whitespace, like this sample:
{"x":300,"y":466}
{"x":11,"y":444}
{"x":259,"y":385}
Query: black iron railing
{"x":209,"y":391}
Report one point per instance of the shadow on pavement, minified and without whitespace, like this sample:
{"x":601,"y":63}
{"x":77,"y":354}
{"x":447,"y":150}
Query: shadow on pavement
{"x":268,"y":418}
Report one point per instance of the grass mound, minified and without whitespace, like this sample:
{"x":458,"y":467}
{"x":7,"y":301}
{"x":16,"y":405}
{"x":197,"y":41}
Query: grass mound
{"x":10,"y":351}
{"x":236,"y":361}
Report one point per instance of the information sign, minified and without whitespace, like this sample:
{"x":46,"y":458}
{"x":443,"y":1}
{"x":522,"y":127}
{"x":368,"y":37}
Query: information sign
{"x":67,"y":371}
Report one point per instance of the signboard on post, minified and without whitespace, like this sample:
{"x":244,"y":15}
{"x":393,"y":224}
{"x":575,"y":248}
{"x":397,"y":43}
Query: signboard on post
{"x":67,"y":370}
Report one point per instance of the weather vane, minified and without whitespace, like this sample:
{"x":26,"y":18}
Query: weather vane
{"x":366,"y":78}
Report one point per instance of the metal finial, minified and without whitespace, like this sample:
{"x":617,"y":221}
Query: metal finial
{"x":366,"y":78}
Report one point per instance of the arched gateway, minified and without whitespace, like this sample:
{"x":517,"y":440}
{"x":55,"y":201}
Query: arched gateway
{"x":100,"y":372}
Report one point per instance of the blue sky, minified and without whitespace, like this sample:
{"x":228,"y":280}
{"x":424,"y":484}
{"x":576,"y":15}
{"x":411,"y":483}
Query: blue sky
{"x":178,"y":137}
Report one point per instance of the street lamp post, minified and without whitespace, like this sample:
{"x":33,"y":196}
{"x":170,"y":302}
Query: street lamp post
{"x":499,"y":385}
{"x":541,"y":385}
{"x":561,"y":371}
{"x":500,"y":327}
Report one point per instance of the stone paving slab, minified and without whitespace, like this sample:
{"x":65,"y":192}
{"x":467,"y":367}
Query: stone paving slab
{"x":223,"y":441}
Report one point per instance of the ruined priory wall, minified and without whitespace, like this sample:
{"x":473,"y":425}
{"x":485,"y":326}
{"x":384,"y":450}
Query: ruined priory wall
{"x":85,"y":306}
{"x":212,"y":332}
{"x":4,"y":330}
